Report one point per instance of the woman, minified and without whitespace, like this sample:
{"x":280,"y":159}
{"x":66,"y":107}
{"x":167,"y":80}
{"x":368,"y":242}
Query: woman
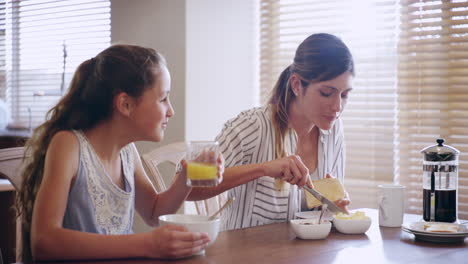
{"x":297,"y":134}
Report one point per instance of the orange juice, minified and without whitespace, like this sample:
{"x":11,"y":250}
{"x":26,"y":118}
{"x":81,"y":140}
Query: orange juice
{"x":202,"y":168}
{"x":201,"y":171}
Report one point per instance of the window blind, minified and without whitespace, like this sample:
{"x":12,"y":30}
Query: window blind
{"x":433,"y":90}
{"x":370,"y":29}
{"x":45,"y":41}
{"x":2,"y":51}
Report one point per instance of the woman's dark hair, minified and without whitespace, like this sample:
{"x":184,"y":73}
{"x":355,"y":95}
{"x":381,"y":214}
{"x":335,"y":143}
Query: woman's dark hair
{"x":320,"y":57}
{"x":89,"y":101}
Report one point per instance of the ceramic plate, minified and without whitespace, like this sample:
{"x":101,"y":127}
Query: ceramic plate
{"x":417,"y":228}
{"x":314,"y":215}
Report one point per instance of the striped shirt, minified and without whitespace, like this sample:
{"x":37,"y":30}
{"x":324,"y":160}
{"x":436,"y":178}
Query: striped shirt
{"x":249,"y":138}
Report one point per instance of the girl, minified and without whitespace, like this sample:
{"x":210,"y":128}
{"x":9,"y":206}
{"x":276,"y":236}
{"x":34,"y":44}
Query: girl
{"x":84,"y":178}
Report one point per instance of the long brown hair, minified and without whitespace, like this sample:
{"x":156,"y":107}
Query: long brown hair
{"x":320,"y":57}
{"x":89,"y":101}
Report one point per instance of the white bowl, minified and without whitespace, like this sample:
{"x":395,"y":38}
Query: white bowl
{"x":194,"y":223}
{"x":314,"y":215}
{"x":310,"y":229}
{"x":352,"y":226}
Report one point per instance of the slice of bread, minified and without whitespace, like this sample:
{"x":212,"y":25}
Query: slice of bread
{"x":331,"y":188}
{"x":441,"y":228}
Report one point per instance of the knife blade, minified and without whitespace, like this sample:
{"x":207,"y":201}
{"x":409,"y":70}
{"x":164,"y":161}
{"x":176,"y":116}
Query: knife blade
{"x":331,"y":205}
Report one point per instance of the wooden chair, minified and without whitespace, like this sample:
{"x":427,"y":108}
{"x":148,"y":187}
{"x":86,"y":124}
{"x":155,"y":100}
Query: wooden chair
{"x":173,"y":154}
{"x":10,"y":162}
{"x":10,"y":167}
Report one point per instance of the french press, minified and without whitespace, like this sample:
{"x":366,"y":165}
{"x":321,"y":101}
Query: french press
{"x":440,"y":182}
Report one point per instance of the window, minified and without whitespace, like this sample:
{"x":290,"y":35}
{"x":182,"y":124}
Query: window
{"x":432,"y":90}
{"x":410,"y":89}
{"x":370,"y":30}
{"x":43,"y":42}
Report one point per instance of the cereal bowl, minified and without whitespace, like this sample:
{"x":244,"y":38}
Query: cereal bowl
{"x":351,"y":224}
{"x":310,"y":228}
{"x":194,"y":223}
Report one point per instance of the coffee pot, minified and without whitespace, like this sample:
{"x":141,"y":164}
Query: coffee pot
{"x":440,"y":182}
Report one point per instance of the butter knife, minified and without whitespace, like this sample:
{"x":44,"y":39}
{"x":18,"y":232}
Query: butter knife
{"x":331,"y":205}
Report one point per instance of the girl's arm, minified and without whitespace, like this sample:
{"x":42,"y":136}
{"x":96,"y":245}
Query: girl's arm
{"x":50,"y":241}
{"x":291,"y":169}
{"x":149,"y":204}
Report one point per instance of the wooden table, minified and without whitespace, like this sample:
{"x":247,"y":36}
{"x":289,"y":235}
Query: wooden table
{"x":276,"y":243}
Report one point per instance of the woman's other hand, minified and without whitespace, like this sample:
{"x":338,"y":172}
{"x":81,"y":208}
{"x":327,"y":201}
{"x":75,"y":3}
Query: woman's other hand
{"x":342,"y":203}
{"x":173,"y":241}
{"x":290,"y":169}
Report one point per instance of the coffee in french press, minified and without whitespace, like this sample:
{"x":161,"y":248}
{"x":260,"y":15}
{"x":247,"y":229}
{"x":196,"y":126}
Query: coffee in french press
{"x":440,"y":183}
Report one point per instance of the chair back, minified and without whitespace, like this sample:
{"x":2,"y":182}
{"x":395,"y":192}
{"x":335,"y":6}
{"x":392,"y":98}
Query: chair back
{"x":10,"y":163}
{"x":173,"y":154}
{"x":10,"y":167}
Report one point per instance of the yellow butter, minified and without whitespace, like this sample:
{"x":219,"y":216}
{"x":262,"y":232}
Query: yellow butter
{"x":358,"y":215}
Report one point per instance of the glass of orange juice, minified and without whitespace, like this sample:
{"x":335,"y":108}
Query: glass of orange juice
{"x":202,"y":170}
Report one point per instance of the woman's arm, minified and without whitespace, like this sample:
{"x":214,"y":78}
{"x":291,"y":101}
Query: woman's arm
{"x":240,"y":138}
{"x":339,"y":162}
{"x":232,"y":177}
{"x":50,"y":241}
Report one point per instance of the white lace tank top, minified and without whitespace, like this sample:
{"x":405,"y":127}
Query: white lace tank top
{"x":95,"y":203}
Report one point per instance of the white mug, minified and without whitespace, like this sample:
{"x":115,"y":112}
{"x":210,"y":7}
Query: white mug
{"x":391,"y":205}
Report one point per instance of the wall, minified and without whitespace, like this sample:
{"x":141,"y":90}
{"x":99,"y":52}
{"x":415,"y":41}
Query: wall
{"x":159,"y":24}
{"x":210,"y":47}
{"x":221,"y":63}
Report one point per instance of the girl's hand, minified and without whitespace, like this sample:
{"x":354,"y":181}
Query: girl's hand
{"x":342,"y":203}
{"x":173,"y":241}
{"x":220,"y":166}
{"x":181,"y":168}
{"x":290,"y":169}
{"x":207,"y":157}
